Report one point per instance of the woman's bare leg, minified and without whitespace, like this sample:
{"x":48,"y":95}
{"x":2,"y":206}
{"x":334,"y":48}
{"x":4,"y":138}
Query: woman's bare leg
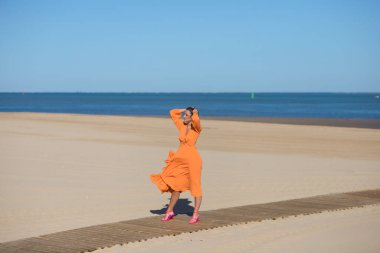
{"x":173,"y":200}
{"x":197,"y":205}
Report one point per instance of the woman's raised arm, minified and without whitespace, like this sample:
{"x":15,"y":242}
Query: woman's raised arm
{"x":176,"y":117}
{"x":196,"y":121}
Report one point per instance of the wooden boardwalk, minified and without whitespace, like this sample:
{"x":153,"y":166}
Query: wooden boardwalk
{"x":106,"y":235}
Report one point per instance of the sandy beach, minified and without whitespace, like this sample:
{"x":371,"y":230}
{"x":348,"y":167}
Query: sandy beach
{"x":65,"y":171}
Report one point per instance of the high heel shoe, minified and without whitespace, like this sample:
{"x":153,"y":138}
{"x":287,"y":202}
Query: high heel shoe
{"x":168,"y":216}
{"x":194,"y":220}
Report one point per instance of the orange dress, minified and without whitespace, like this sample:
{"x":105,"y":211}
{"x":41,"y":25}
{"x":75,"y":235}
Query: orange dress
{"x":183,"y":167}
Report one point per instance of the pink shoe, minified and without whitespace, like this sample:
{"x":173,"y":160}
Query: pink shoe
{"x":168,"y":216}
{"x":194,"y":220}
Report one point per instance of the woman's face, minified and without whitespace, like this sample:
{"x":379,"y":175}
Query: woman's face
{"x":187,"y":117}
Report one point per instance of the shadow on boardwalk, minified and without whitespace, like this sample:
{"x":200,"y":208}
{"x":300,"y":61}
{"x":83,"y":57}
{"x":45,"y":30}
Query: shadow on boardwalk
{"x":182,"y":207}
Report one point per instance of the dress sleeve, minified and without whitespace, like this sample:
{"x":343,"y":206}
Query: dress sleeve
{"x":196,"y":122}
{"x":176,"y":117}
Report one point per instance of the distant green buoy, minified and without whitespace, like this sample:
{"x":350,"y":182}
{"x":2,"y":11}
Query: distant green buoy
{"x":252,"y":95}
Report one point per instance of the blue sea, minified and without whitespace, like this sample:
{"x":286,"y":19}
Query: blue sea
{"x":272,"y":105}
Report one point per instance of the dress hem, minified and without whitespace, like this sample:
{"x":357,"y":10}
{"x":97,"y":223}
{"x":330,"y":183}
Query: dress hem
{"x":168,"y":187}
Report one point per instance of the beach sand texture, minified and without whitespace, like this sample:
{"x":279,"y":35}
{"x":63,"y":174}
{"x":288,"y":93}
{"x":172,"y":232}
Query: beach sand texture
{"x":63,"y":171}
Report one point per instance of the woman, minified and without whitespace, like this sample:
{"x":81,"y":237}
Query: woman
{"x":183,"y":168}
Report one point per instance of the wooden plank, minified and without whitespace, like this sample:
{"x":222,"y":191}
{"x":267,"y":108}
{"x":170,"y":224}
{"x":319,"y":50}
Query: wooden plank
{"x":83,"y":242}
{"x":68,"y":240}
{"x":172,"y":225}
{"x":332,"y":202}
{"x":12,"y":249}
{"x":282,"y":210}
{"x":59,"y":242}
{"x":261,"y":212}
{"x":144,"y":228}
{"x":369,"y":194}
{"x":56,"y":246}
{"x":38,"y":246}
{"x":228,"y":217}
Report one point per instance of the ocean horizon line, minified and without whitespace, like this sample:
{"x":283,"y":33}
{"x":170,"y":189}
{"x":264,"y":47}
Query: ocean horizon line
{"x":191,"y":92}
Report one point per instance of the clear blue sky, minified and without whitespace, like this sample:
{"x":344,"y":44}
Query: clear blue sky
{"x":190,"y":46}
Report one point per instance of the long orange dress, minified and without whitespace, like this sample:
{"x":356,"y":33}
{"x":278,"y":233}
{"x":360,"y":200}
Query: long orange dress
{"x":183,"y":167}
